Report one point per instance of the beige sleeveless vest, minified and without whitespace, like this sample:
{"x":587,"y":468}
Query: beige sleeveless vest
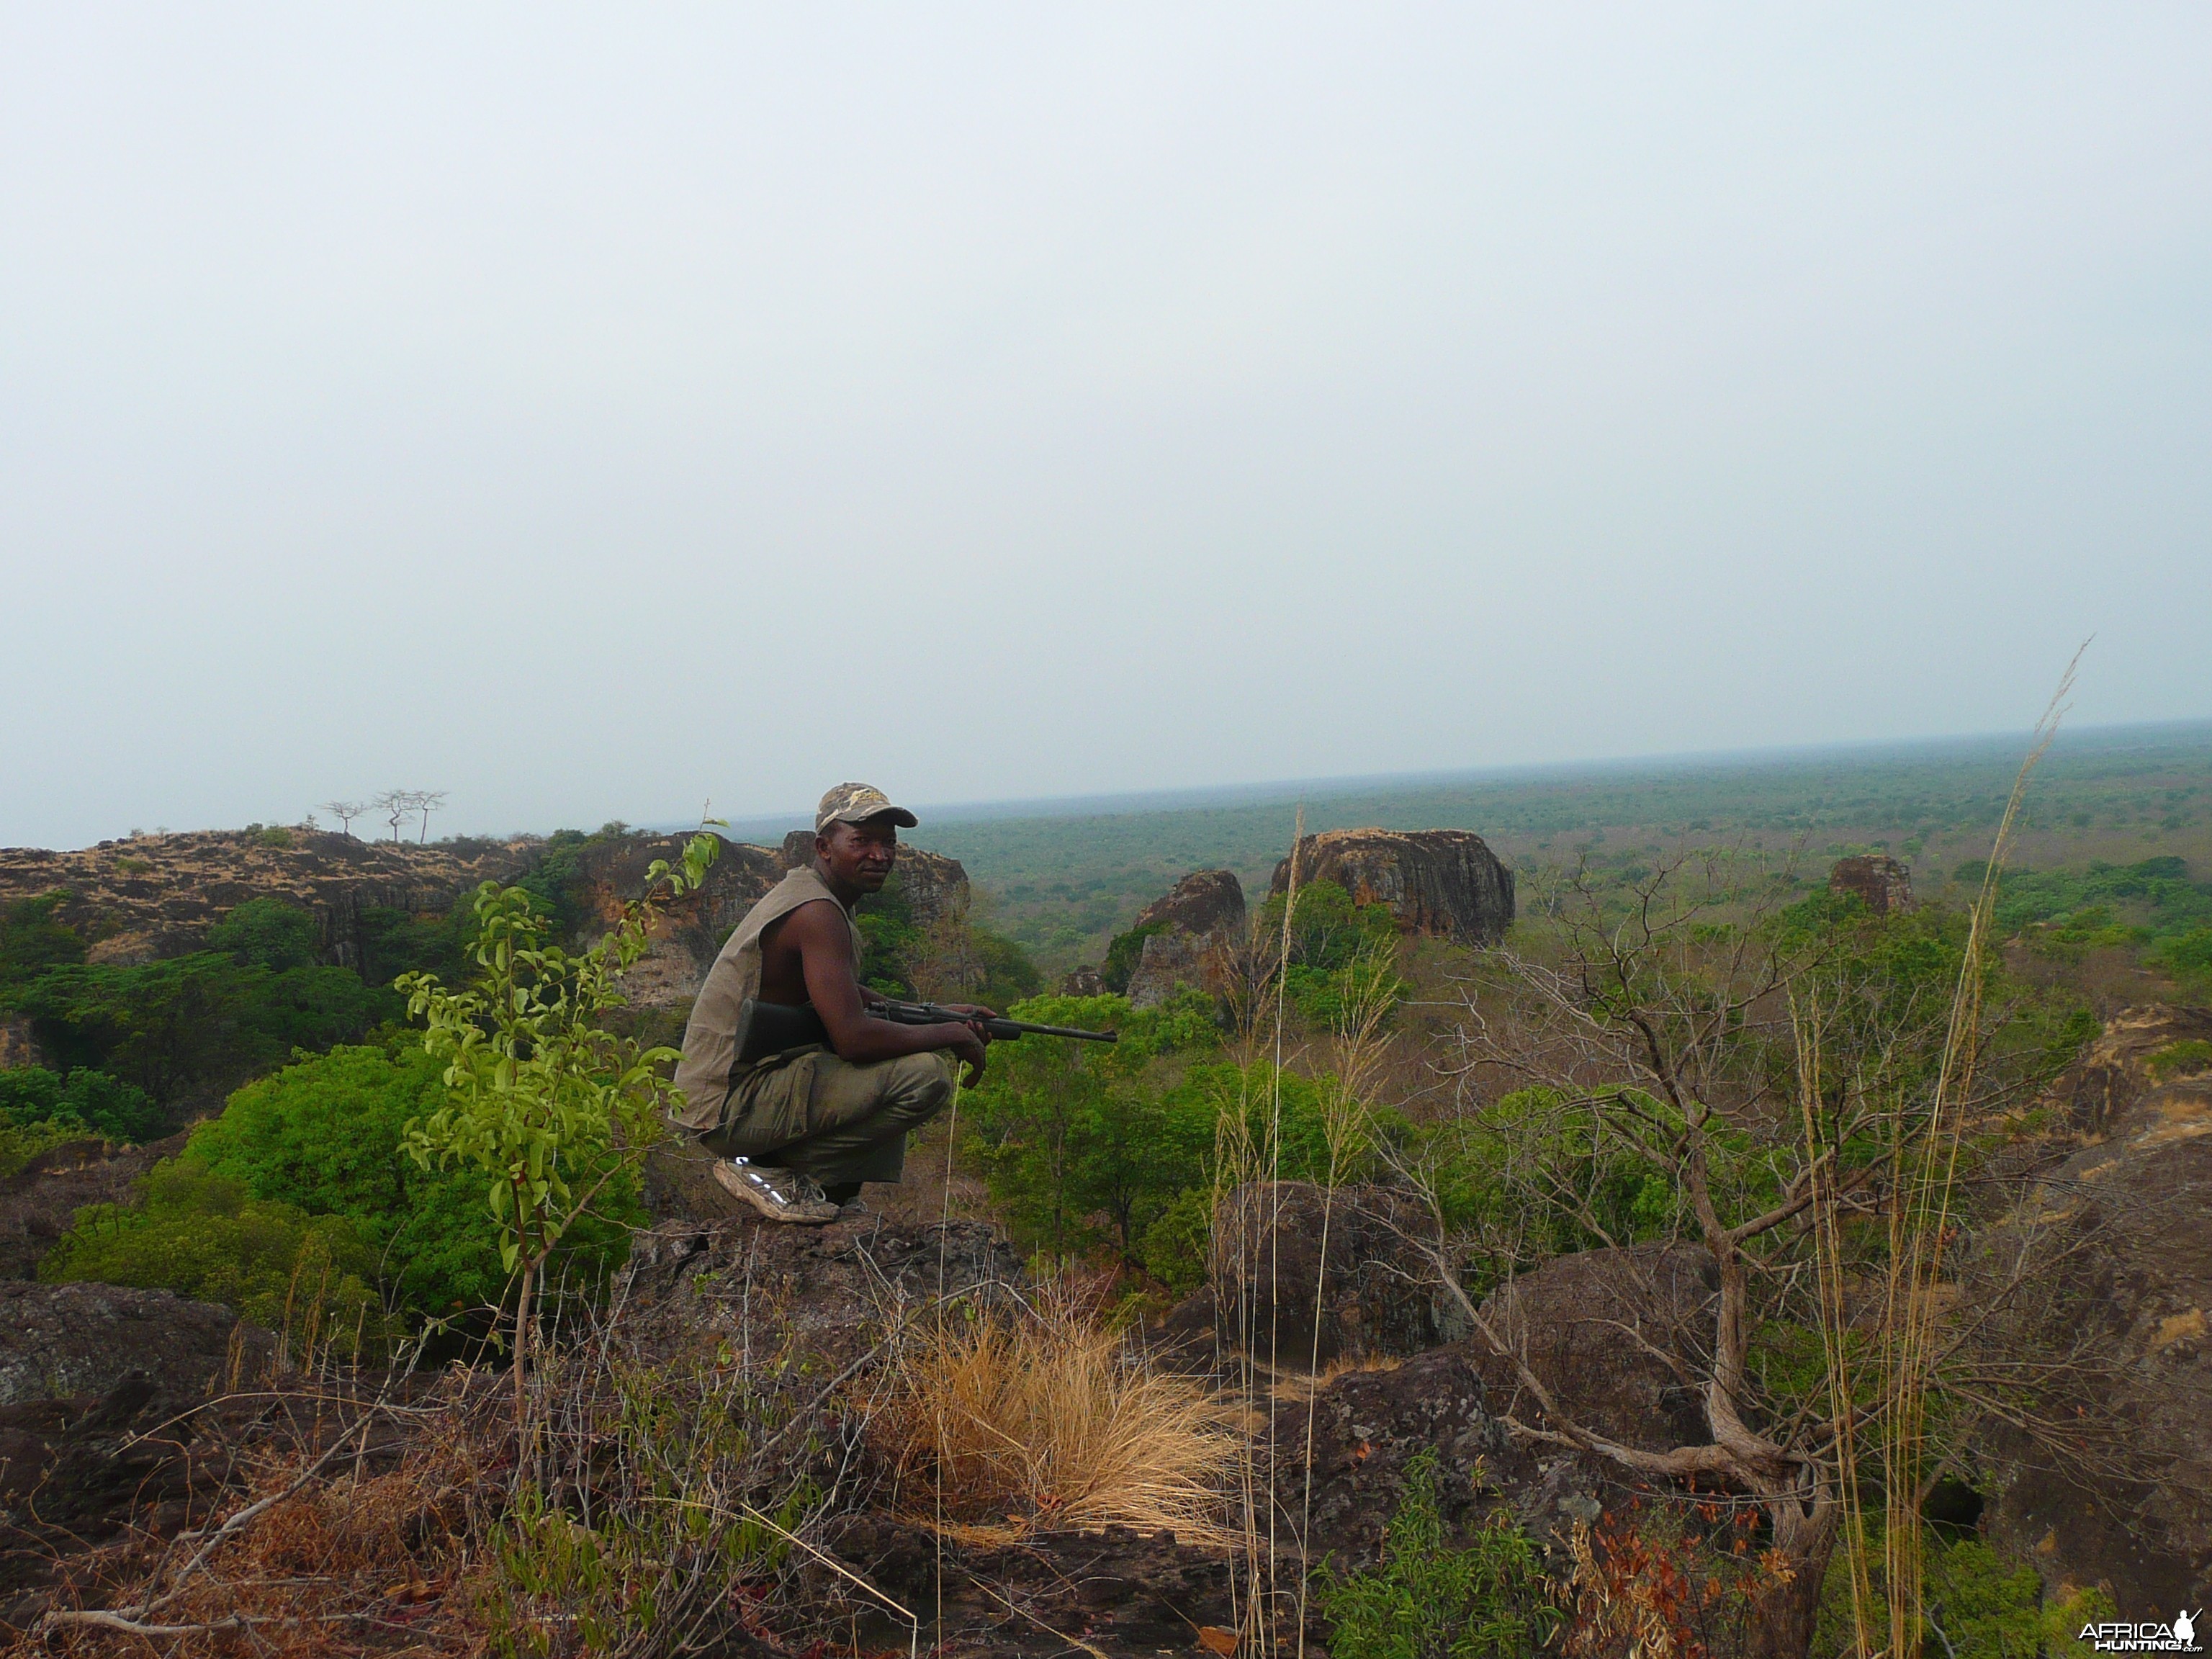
{"x":710,"y":1068}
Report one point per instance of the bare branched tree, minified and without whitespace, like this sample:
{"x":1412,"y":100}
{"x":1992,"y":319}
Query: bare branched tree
{"x":394,"y":805}
{"x":345,"y":811}
{"x":943,"y":960}
{"x":1776,"y":1080}
{"x":398,"y":805}
{"x":1652,"y":1038}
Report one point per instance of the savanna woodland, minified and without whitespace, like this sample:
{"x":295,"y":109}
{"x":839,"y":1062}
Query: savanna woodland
{"x":1721,"y":1213}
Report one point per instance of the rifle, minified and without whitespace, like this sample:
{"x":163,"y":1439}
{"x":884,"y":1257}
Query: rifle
{"x":769,"y":1027}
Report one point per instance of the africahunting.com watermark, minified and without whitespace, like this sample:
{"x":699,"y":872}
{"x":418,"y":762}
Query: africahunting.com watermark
{"x":2121,"y":1636}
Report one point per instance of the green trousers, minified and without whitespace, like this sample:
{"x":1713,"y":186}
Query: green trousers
{"x":828,"y":1118}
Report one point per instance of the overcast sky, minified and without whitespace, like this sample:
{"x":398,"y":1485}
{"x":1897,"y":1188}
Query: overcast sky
{"x":594,"y":412}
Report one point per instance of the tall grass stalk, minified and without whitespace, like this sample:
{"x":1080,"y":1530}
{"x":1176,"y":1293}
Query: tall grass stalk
{"x":1243,"y":1160}
{"x":1369,"y":982}
{"x":1924,"y":1160}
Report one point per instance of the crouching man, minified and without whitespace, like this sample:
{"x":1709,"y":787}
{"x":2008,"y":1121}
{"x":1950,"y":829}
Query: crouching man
{"x":796,"y":1133}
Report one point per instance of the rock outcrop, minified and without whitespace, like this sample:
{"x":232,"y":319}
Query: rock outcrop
{"x":70,"y":1341}
{"x":155,"y":896}
{"x":19,"y":1045}
{"x":1203,"y":914}
{"x":1359,"y":1432}
{"x":1576,"y":1322}
{"x":1443,"y":882}
{"x":690,"y":930}
{"x":38,"y":1202}
{"x":1879,"y":882}
{"x":1272,"y":1291}
{"x":2122,"y":1217}
{"x":106,"y":1420}
{"x":933,"y":885}
{"x":1206,"y":904}
{"x":838,"y":1287}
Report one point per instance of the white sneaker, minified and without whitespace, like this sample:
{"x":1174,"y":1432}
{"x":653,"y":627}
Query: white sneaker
{"x":779,"y":1195}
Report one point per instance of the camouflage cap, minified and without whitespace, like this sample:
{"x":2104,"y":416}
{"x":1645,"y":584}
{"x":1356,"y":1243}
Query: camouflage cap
{"x":856,"y":803}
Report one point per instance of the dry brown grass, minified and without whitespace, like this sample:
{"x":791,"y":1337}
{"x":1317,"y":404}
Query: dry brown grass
{"x":1305,"y":1386}
{"x":357,"y":1560}
{"x":1048,"y":1420}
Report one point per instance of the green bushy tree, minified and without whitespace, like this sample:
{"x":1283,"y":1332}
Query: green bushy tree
{"x":2188,"y":956}
{"x":395,"y":942}
{"x":170,"y":1026}
{"x":1070,"y":1134}
{"x":1123,"y":951}
{"x":1598,"y":1187}
{"x":1330,"y":927}
{"x":202,"y":1234}
{"x":86,"y":1102}
{"x":267,"y":933}
{"x":1979,"y":1605}
{"x":543,"y":1104}
{"x":327,"y":1134}
{"x":1083,"y":1147}
{"x":33,"y":939}
{"x":1329,"y":933}
{"x":950,"y":956}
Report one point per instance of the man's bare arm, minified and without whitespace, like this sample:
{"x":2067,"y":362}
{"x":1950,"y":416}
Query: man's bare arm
{"x":818,"y":933}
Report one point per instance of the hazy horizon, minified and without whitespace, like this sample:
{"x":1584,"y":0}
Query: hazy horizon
{"x":615,"y":413}
{"x":768,"y":828}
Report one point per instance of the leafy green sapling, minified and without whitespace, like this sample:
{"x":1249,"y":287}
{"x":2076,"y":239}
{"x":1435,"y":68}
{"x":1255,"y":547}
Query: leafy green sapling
{"x":538,"y":1092}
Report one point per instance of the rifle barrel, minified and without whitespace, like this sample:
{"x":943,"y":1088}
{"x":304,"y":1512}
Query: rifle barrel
{"x":930,"y":1013}
{"x":1022,"y":1028}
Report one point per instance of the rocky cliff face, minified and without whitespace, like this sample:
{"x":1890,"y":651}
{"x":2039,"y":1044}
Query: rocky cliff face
{"x":154,"y":897}
{"x":1204,"y":913}
{"x":105,"y":1422}
{"x":2122,"y":1222}
{"x":933,"y":885}
{"x":690,"y":931}
{"x":19,"y":1045}
{"x":1299,"y":1276}
{"x":1445,"y":883}
{"x":1880,"y":882}
{"x":1206,"y":904}
{"x":39,"y":1202}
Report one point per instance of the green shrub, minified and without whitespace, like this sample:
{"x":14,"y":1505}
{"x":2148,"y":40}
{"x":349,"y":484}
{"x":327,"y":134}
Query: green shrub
{"x":169,"y":1026}
{"x":895,"y":948}
{"x":1977,"y":1605}
{"x":1175,"y":1246}
{"x":324,"y":1134}
{"x":85,"y":1102}
{"x":1082,"y":1146}
{"x":1123,"y":952}
{"x":2180,"y":1059}
{"x":32,"y":940}
{"x":1330,"y":929}
{"x":19,"y":1143}
{"x":267,"y":933}
{"x":203,"y":1235}
{"x":1429,"y":1599}
{"x":1080,"y":1143}
{"x":2188,"y":956}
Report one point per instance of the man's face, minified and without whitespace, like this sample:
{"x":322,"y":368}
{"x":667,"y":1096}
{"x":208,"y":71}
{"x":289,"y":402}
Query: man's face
{"x":860,"y":854}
